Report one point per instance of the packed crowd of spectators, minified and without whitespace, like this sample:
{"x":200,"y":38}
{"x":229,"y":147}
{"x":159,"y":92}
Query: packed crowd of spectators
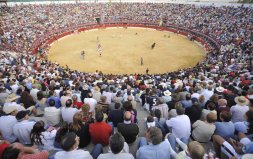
{"x":210,"y":102}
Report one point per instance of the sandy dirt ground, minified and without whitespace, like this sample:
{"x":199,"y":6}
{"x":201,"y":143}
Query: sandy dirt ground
{"x":122,"y":50}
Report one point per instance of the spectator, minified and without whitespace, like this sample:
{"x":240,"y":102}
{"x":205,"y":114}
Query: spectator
{"x":68,"y":111}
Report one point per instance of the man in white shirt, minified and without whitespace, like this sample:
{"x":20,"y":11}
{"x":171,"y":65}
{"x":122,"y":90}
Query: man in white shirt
{"x":7,"y":122}
{"x":68,"y":112}
{"x":180,"y":125}
{"x":52,"y":114}
{"x":70,"y":144}
{"x":92,"y":102}
{"x":108,"y":95}
{"x":116,"y":144}
{"x":207,"y":93}
{"x":34,"y":92}
{"x":23,"y":128}
{"x":65,"y":97}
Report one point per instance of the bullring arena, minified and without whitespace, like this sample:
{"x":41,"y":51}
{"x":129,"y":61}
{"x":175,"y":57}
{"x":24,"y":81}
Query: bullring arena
{"x":122,"y":50}
{"x":124,"y":79}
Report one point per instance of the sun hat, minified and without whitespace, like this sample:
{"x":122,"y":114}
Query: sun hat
{"x":241,"y":100}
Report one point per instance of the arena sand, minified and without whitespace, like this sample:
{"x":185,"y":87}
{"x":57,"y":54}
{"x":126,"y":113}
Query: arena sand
{"x":122,"y":50}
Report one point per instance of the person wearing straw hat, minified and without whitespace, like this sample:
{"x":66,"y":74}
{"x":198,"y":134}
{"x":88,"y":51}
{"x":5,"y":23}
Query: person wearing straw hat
{"x":166,"y":96}
{"x":239,"y":109}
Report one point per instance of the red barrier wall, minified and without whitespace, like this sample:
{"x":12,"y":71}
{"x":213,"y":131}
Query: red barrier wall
{"x":51,"y":37}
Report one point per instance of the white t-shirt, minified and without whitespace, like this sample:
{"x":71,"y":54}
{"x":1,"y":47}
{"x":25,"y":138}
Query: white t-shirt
{"x":116,"y":156}
{"x":75,"y":154}
{"x":92,"y":102}
{"x":68,"y":113}
{"x":52,"y":115}
{"x":6,"y":127}
{"x":180,"y":126}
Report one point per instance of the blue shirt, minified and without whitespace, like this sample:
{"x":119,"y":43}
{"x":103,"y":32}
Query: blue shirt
{"x":56,"y":100}
{"x":242,"y":127}
{"x":160,"y":151}
{"x":225,"y":129}
{"x":248,"y":148}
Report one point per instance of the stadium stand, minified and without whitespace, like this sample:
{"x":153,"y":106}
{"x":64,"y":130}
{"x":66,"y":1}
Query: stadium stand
{"x":210,"y":103}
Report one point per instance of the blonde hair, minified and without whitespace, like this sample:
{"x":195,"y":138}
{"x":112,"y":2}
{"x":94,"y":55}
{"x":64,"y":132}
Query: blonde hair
{"x":196,"y":150}
{"x":77,"y":121}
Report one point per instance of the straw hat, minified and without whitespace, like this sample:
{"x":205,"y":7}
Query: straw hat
{"x":9,"y":108}
{"x":241,"y":100}
{"x":220,"y":89}
{"x":167,"y":93}
{"x":11,"y":97}
{"x":96,"y":89}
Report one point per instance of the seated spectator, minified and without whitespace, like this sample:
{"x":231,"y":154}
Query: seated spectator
{"x":100,"y":131}
{"x":41,"y":137}
{"x":81,"y":129}
{"x":160,"y":122}
{"x":27,"y":100}
{"x":153,"y":146}
{"x":213,"y":99}
{"x":210,"y":108}
{"x":150,"y":121}
{"x":128,"y":130}
{"x":41,"y":102}
{"x":96,"y":94}
{"x":202,"y":131}
{"x":18,"y":151}
{"x":57,"y":101}
{"x":116,"y":116}
{"x":239,"y":109}
{"x":70,"y":144}
{"x":66,"y":96}
{"x":187,"y":102}
{"x":225,"y":128}
{"x":222,"y":106}
{"x":116,"y":144}
{"x":162,"y":106}
{"x":52,"y":114}
{"x":166,"y":96}
{"x":76,"y":103}
{"x":194,"y":112}
{"x":180,"y":126}
{"x":127,"y":106}
{"x":62,"y":131}
{"x":87,"y":116}
{"x":68,"y":111}
{"x":193,"y":150}
{"x":91,"y":101}
{"x":7,"y":122}
{"x":232,"y":148}
{"x":102,"y":105}
{"x":22,"y":129}
{"x":245,"y":127}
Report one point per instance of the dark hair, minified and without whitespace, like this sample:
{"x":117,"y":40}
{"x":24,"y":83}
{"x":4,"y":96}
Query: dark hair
{"x":51,"y":102}
{"x":10,"y":153}
{"x":150,"y":119}
{"x":68,"y":103}
{"x":68,"y":141}
{"x":99,"y":116}
{"x":117,"y":105}
{"x":35,"y":135}
{"x":39,"y":95}
{"x":249,"y":115}
{"x":116,"y":143}
{"x":64,"y":129}
{"x":158,"y":114}
{"x":226,"y":116}
{"x":128,"y":106}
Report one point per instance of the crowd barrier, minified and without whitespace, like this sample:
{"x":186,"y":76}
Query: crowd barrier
{"x":207,"y":42}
